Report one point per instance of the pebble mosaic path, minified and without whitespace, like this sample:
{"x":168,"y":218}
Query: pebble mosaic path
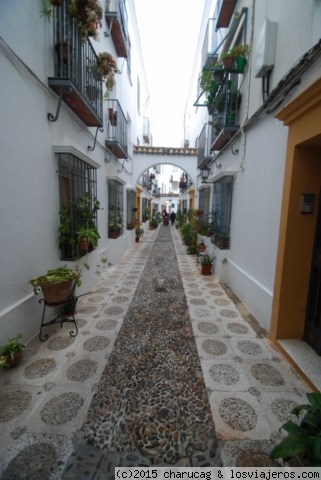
{"x":168,"y":368}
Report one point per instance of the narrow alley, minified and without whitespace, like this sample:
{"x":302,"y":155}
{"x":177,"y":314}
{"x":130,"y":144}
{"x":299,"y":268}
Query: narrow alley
{"x":168,"y":368}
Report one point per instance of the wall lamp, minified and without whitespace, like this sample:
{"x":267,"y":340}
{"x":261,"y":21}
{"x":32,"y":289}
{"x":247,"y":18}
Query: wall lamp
{"x":205,"y":172}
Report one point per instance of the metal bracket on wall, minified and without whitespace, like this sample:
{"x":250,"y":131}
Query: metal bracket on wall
{"x":51,"y":117}
{"x":122,"y":167}
{"x":92,"y":148}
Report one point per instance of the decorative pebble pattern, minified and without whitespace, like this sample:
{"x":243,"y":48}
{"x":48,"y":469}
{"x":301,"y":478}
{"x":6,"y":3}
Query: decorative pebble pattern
{"x":44,"y":464}
{"x":40,"y":368}
{"x":238,"y":414}
{"x":61,"y":409}
{"x":82,"y":370}
{"x":238,"y":328}
{"x":254,"y":458}
{"x":207,"y":327}
{"x":149,"y":405}
{"x":13,"y":404}
{"x":106,"y":324}
{"x":248,"y":347}
{"x":151,"y":398}
{"x":228,"y":313}
{"x":224,"y":374}
{"x":59,"y":343}
{"x":282,"y":408}
{"x":96,"y":344}
{"x":267,"y":375}
{"x":113,"y":310}
{"x":214,"y":347}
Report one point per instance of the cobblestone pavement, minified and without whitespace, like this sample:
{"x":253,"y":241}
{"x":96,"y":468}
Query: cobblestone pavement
{"x":168,"y":368}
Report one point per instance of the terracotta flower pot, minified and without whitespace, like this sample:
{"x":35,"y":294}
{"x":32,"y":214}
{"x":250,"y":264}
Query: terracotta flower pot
{"x":229,"y":63}
{"x":15,"y":360}
{"x":56,"y":292}
{"x":206,"y":269}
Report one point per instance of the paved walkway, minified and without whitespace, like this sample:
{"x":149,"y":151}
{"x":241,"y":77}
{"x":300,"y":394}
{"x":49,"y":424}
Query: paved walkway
{"x":167,"y":369}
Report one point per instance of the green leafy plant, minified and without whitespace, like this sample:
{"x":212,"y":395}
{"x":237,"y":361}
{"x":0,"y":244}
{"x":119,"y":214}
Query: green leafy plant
{"x":56,"y":275}
{"x":9,"y":349}
{"x":89,"y":234}
{"x":88,"y":16}
{"x":139,"y":231}
{"x":107,"y":68}
{"x":46,"y":9}
{"x":240,"y":50}
{"x":208,"y":259}
{"x":304,"y":439}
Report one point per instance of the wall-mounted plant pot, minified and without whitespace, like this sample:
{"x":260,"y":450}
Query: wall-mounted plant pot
{"x":229,"y":63}
{"x":240,"y":63}
{"x":83,"y":245}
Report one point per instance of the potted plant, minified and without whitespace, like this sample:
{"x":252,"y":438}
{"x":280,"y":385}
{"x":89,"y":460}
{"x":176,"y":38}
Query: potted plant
{"x":115,"y":223}
{"x":88,"y":17}
{"x":46,"y":9}
{"x":11,"y":352}
{"x":303,"y":440}
{"x":106,"y":69}
{"x":56,"y":284}
{"x":87,"y":237}
{"x":153,"y":224}
{"x":201,"y":247}
{"x":139,"y":232}
{"x":207,"y":261}
{"x":228,"y":60}
{"x":240,"y":52}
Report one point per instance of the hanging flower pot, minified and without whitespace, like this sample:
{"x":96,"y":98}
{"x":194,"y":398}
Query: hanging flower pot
{"x":240,"y":63}
{"x":229,"y":62}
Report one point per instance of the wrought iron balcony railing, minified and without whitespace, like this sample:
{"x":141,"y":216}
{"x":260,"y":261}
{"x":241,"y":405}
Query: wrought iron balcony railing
{"x":116,"y":139}
{"x":205,"y":141}
{"x":75,"y":70}
{"x":225,"y":116}
{"x":117,"y":21}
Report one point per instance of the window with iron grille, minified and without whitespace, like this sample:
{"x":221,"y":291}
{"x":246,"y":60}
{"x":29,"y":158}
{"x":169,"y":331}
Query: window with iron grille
{"x":222,"y":207}
{"x":115,"y":208}
{"x":130,"y":209}
{"x":204,"y":200}
{"x":78,"y":203}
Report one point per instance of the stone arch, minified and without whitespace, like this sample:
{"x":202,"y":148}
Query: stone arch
{"x":147,"y":157}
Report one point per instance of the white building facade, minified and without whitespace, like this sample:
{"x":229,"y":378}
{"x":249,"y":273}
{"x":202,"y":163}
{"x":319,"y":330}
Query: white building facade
{"x":64,"y":141}
{"x":260,"y":204}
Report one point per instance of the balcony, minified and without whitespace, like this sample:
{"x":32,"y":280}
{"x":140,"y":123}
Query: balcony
{"x":225,"y":116}
{"x":75,"y":77}
{"x":116,"y":140}
{"x":117,"y":21}
{"x":205,"y":141}
{"x":225,"y":10}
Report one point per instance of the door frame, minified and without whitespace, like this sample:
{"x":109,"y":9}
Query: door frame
{"x":297,"y":230}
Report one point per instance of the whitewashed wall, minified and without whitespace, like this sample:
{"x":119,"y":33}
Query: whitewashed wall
{"x":259,"y":165}
{"x":29,"y":192}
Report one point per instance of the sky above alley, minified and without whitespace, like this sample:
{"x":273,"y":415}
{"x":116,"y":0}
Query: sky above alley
{"x":168,"y":32}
